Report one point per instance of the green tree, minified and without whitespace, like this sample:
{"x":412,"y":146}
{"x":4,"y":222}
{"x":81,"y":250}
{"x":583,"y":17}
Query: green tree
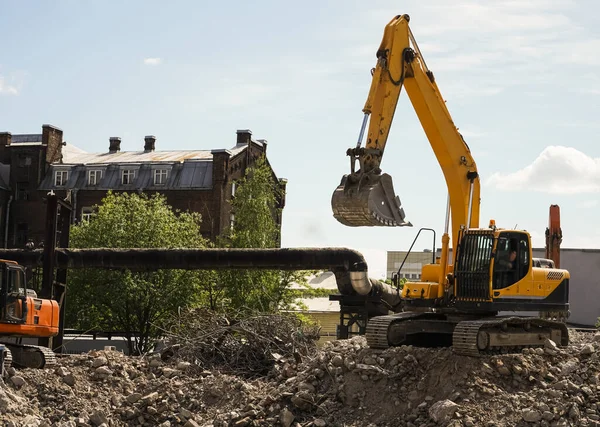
{"x":255,"y":208}
{"x":133,"y":300}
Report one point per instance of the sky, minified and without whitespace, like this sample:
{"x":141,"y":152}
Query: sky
{"x":520,"y":79}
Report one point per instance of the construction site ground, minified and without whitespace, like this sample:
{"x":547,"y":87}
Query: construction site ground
{"x":343,"y":383}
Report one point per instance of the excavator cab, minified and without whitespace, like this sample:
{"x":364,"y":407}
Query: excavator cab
{"x":12,"y":294}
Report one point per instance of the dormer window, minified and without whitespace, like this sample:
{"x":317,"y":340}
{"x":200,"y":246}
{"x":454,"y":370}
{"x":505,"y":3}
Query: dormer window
{"x":61,"y":178}
{"x":127,"y":176}
{"x":94,"y":176}
{"x":160,"y":176}
{"x":24,"y":161}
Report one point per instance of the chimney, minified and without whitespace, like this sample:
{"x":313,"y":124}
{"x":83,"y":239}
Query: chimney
{"x":243,"y":136}
{"x":114,"y":144}
{"x":149,"y":143}
{"x":5,"y":139}
{"x":52,"y":138}
{"x":264,"y":144}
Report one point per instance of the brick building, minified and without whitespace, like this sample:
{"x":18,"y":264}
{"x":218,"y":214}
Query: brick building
{"x":193,"y":180}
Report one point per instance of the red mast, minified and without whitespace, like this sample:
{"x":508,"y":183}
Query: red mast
{"x":554,"y":236}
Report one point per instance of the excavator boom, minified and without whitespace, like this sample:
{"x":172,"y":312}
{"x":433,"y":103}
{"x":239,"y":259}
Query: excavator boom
{"x":365,"y":196}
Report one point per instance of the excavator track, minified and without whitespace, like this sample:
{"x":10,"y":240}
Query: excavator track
{"x":377,"y":331}
{"x":380,"y":333}
{"x":464,"y":338}
{"x":469,"y":337}
{"x":31,"y":356}
{"x":493,"y":336}
{"x":7,"y":359}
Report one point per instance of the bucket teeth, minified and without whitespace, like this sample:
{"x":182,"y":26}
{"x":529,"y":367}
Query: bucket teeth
{"x":368,"y":202}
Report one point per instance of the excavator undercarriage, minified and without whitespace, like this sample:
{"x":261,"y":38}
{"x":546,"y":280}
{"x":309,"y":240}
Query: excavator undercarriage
{"x":28,"y":356}
{"x":467,"y":334}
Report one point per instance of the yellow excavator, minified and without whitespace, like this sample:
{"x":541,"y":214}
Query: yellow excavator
{"x":462,"y":303}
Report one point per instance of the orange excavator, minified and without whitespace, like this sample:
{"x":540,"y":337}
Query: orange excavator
{"x":23,"y":315}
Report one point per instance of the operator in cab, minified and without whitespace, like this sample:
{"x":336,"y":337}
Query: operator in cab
{"x":509,"y":262}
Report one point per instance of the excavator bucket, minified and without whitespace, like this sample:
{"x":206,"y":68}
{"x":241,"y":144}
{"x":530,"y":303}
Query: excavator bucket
{"x":368,"y":201}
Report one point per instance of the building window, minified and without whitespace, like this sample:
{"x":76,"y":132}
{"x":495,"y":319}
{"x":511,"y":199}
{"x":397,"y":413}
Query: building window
{"x":87,"y":213}
{"x":160,"y":176}
{"x":21,"y":234}
{"x":94,"y":177}
{"x":22,"y":191}
{"x":60,"y":178}
{"x":127,"y":176}
{"x":24,"y":161}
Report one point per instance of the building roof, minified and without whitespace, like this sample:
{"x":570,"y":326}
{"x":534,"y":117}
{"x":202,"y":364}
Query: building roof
{"x":183,"y":176}
{"x":321,"y":304}
{"x":75,"y":156}
{"x":325,"y":280}
{"x":27,"y":139}
{"x":187,"y":169}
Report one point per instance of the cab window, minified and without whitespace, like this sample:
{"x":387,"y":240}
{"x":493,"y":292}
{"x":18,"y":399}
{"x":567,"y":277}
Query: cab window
{"x":13,"y":295}
{"x":511,"y":261}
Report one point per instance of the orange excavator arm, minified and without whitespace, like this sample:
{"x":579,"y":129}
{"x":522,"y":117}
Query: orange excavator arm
{"x":554,"y":235}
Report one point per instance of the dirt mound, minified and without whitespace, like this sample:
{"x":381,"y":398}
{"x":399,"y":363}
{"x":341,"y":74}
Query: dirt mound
{"x":342,"y":384}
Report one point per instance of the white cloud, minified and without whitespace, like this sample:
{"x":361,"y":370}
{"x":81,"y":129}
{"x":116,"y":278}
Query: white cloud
{"x":494,"y":17}
{"x":558,"y":169}
{"x":587,"y":204}
{"x":584,"y":52}
{"x":6,"y":88}
{"x":152,"y":61}
{"x":588,"y":240}
{"x":488,"y":37}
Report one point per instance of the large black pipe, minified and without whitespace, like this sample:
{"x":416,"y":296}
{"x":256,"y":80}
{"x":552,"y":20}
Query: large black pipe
{"x":334,"y":259}
{"x":349,"y":266}
{"x":197,"y":259}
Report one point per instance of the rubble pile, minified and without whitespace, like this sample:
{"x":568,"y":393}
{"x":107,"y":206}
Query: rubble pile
{"x":238,"y":344}
{"x":341,"y":384}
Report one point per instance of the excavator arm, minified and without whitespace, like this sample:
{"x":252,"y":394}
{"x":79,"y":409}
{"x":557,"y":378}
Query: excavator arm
{"x":366,"y":197}
{"x":554,"y":235}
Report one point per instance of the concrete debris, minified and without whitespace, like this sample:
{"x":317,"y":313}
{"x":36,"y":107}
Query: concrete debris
{"x":286,"y":418}
{"x":442,"y":410}
{"x":343,"y":383}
